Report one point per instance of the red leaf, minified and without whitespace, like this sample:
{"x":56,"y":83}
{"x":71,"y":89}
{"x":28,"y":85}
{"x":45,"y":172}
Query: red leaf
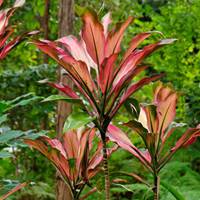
{"x":93,"y":35}
{"x":15,"y":189}
{"x":5,"y":36}
{"x":13,"y":43}
{"x":77,"y":69}
{"x":65,"y":89}
{"x":116,"y":135}
{"x":115,"y":37}
{"x":55,"y":144}
{"x":135,"y":42}
{"x":187,"y":138}
{"x":106,"y":72}
{"x":132,"y":89}
{"x":71,"y":144}
{"x":165,"y":100}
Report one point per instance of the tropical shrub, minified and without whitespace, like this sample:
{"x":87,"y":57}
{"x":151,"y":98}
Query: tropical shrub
{"x":72,"y":156}
{"x":102,"y":82}
{"x":7,"y":44}
{"x":154,"y":124}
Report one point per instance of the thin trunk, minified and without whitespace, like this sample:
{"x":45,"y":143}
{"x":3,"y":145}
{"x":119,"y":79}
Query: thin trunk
{"x":106,"y":171}
{"x":105,"y":165}
{"x":156,"y":187}
{"x":46,"y":24}
{"x":66,"y":15}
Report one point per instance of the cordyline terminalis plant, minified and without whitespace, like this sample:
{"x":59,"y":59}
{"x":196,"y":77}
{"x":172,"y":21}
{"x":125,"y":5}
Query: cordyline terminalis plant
{"x":7,"y":44}
{"x":71,"y":155}
{"x":91,"y":63}
{"x":155,"y":127}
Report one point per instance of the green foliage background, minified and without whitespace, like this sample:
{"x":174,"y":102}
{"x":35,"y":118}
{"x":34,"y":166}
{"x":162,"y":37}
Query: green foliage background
{"x":23,"y":68}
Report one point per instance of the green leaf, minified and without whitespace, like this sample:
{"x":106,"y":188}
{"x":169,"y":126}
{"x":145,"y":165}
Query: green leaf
{"x":34,"y":136}
{"x":133,"y":107}
{"x":173,"y":191}
{"x":14,"y":101}
{"x":27,"y":101}
{"x":5,"y":154}
{"x":79,"y":10}
{"x":4,"y":106}
{"x":137,"y":127}
{"x":60,"y":97}
{"x":76,"y":120}
{"x":3,"y":118}
{"x":10,"y":135}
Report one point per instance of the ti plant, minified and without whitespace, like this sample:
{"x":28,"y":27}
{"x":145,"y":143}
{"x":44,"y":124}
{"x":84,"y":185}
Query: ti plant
{"x":6,"y":44}
{"x":154,"y":125}
{"x":72,"y":156}
{"x":102,"y":79}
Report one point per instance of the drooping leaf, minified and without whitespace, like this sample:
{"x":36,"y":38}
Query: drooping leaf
{"x":65,"y":89}
{"x":60,"y":97}
{"x":27,"y":101}
{"x":10,"y":135}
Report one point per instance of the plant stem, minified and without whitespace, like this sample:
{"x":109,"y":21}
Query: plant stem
{"x":156,"y":187}
{"x":106,"y":170}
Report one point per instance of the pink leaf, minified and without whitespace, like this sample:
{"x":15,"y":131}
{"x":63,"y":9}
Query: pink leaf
{"x":106,"y":20}
{"x":78,"y":50}
{"x":116,"y":135}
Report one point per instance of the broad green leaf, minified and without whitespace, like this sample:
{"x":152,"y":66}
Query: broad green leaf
{"x":173,"y":191}
{"x":137,"y":127}
{"x":3,"y":118}
{"x":60,"y":97}
{"x":5,"y":154}
{"x":10,"y":135}
{"x":76,"y":120}
{"x":4,"y":105}
{"x":34,"y":136}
